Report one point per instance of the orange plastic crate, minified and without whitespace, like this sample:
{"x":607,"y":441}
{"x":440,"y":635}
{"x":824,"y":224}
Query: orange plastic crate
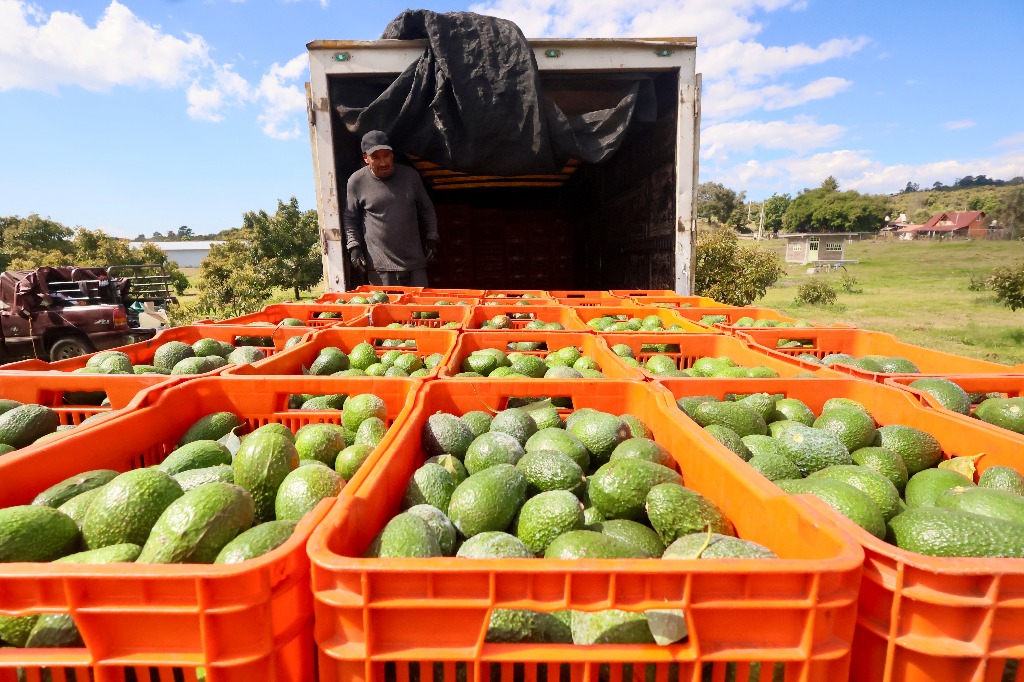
{"x":589,"y":344}
{"x":920,"y":618}
{"x":294,"y":360}
{"x":859,"y":342}
{"x":676,"y":302}
{"x":668,"y":317}
{"x":242,"y":622}
{"x":1011,"y":385}
{"x":387,"y":290}
{"x":383,"y":315}
{"x":307,"y":312}
{"x":588,"y":301}
{"x":343,"y":297}
{"x":695,"y":346}
{"x":141,"y":353}
{"x":545,"y":313}
{"x":390,"y":619}
{"x":644,"y":293}
{"x":732,"y":314}
{"x":515,"y":293}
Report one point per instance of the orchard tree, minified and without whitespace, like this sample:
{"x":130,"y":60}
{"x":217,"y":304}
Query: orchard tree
{"x":185,"y":232}
{"x":230,"y":283}
{"x":774,"y":208}
{"x":716,"y":203}
{"x":828,"y":210}
{"x":286,"y":245}
{"x":830,"y":183}
{"x":24,"y":241}
{"x":731,"y":273}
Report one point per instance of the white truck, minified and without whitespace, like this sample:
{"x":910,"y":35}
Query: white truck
{"x":627,"y":222}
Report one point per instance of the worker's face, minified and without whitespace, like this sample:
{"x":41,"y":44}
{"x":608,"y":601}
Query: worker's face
{"x":381,"y":162}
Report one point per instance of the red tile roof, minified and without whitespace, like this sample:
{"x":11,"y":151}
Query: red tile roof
{"x":957,"y":220}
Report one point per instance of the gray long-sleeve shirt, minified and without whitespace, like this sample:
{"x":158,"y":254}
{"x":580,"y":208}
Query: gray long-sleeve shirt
{"x":384,"y":215}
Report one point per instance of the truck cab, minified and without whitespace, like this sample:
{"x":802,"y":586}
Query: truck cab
{"x":55,"y":313}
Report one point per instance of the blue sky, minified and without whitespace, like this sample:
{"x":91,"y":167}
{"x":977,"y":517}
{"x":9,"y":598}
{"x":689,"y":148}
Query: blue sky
{"x":134,"y":117}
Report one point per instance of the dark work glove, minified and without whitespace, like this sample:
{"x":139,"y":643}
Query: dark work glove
{"x":431,"y":250}
{"x":357,"y":257}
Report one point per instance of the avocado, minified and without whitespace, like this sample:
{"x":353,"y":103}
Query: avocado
{"x":171,"y":353}
{"x":26,"y":424}
{"x":493,"y":447}
{"x":256,"y":542}
{"x":842,"y":497}
{"x":36,"y":533}
{"x":632,"y":533}
{"x":948,"y":394}
{"x":126,"y":509}
{"x":938,"y":531}
{"x":455,"y":468}
{"x":211,"y":427}
{"x":619,"y":489}
{"x":1007,"y":413}
{"x":854,"y":428}
{"x":478,"y":421}
{"x":812,"y":449}
{"x":78,"y":505}
{"x":494,"y":545}
{"x":405,"y":536}
{"x":731,"y":440}
{"x":924,"y":487}
{"x":321,"y":442}
{"x":516,"y":422}
{"x":546,"y":516}
{"x":600,"y":433}
{"x":918,"y":450}
{"x":199,"y":454}
{"x":610,"y":626}
{"x":14,"y":630}
{"x":675,"y":511}
{"x":514,"y":626}
{"x":447,"y":536}
{"x":430,"y":484}
{"x":589,"y":544}
{"x":54,"y":630}
{"x":886,"y":462}
{"x":349,"y":460}
{"x":689,"y":402}
{"x":446,"y":434}
{"x":370,"y":432}
{"x":303,"y":489}
{"x":124,"y":553}
{"x":260,"y":465}
{"x":738,"y":417}
{"x":195,"y":527}
{"x":488,"y":500}
{"x":1002,"y":478}
{"x":873,"y":484}
{"x":197,"y":477}
{"x":553,"y":438}
{"x":69,"y":488}
{"x":715,"y":546}
{"x":997,"y":504}
{"x":549,"y":470}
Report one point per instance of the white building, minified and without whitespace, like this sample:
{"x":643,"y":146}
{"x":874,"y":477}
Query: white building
{"x":185,"y":254}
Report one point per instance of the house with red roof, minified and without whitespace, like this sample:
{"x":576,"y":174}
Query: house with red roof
{"x":970,"y":224}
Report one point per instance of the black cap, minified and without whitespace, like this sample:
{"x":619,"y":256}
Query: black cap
{"x":374,"y":140}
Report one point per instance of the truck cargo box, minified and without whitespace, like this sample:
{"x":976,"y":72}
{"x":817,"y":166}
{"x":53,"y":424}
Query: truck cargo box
{"x":627,"y":222}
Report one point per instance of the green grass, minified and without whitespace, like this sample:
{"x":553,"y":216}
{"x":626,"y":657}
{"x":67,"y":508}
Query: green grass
{"x":919,"y":292}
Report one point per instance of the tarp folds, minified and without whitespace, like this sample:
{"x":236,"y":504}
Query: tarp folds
{"x":474,"y":102}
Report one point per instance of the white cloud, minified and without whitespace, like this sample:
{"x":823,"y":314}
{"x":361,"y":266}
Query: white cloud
{"x":749,"y":61}
{"x":800,"y":135}
{"x":227,"y":90}
{"x":47,"y":52}
{"x":726,"y":99}
{"x":1011,"y":141}
{"x":958,"y":125}
{"x":282,"y":98}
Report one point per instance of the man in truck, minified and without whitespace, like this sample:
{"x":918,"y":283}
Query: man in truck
{"x":384,"y":206}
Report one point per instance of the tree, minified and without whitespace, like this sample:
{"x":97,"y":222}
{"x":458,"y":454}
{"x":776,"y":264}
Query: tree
{"x":230,"y":283}
{"x":827,"y":210}
{"x":140,"y":238}
{"x":157,"y":236}
{"x":911,"y":188}
{"x":830,"y":183}
{"x":716,"y":203}
{"x":286,"y":245}
{"x":730,"y":273}
{"x":33,"y":238}
{"x":184,"y":232}
{"x":738,"y":218}
{"x":774,"y":208}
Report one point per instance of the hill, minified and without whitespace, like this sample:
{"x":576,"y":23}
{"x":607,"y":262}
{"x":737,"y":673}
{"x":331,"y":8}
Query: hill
{"x":921,"y":205}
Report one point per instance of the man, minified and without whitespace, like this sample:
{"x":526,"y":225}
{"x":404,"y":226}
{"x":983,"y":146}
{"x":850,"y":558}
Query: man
{"x":383,"y":208}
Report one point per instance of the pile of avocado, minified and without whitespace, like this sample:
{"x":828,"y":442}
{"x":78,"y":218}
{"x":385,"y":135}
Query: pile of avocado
{"x":216,"y":498}
{"x":177,"y":358}
{"x":526,"y":363}
{"x":666,"y":366}
{"x":625,"y":323}
{"x":363,"y":360}
{"x":891,"y":480}
{"x":523,"y":483}
{"x":747,"y":321}
{"x":371,"y":298}
{"x":994,"y":408}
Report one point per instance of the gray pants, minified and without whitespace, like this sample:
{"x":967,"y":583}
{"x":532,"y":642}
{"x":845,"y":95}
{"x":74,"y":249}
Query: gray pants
{"x":399,"y":278}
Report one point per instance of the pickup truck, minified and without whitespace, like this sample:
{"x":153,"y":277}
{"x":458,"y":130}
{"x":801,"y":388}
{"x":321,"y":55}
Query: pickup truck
{"x":55,"y":313}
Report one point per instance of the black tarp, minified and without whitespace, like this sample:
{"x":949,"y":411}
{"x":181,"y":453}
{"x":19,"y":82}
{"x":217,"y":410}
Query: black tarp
{"x":474,"y":102}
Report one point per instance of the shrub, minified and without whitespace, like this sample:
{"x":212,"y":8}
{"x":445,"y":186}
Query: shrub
{"x":849,"y":284}
{"x":816,"y":292}
{"x":733,"y":274}
{"x":1008,"y":285}
{"x":978,"y":282}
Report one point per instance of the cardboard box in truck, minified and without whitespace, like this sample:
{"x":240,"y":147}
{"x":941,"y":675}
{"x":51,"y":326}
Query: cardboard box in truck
{"x":627,"y":222}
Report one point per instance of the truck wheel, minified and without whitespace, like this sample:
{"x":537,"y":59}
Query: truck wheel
{"x":68,"y":347}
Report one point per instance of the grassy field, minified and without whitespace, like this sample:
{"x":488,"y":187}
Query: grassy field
{"x":919,"y":292}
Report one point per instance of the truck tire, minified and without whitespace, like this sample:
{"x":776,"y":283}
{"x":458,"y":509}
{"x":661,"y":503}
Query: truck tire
{"x":69,"y":347}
